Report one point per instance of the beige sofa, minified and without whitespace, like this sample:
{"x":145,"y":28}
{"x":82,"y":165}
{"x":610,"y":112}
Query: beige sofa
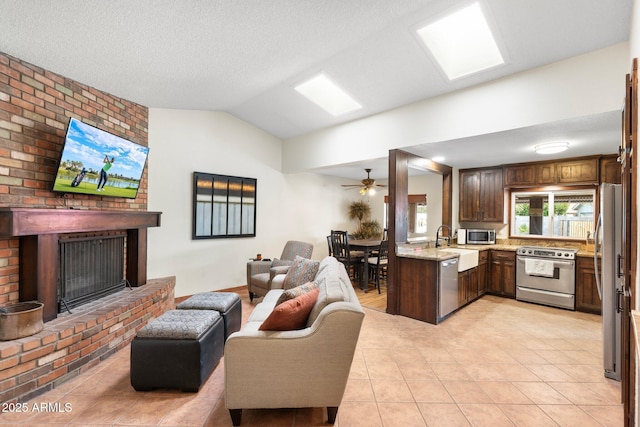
{"x":300,"y":368}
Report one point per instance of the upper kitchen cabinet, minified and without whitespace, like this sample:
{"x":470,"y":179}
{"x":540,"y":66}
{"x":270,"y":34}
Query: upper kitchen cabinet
{"x":481,"y":195}
{"x":583,"y":171}
{"x":529,"y":175}
{"x":576,"y":171}
{"x":519,"y":175}
{"x":610,"y":170}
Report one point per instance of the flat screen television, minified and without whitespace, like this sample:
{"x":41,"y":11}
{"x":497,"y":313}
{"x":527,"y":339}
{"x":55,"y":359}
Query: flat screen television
{"x":97,"y":162}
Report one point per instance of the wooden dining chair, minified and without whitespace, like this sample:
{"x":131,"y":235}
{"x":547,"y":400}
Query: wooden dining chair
{"x":342,"y":252}
{"x":378,"y":264}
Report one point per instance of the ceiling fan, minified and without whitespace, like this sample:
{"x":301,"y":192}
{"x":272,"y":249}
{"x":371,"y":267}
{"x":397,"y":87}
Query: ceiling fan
{"x":367,"y":185}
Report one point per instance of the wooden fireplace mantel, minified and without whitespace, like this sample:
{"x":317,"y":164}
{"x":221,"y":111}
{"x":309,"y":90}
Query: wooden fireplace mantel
{"x":16,"y":222}
{"x":38,"y":230}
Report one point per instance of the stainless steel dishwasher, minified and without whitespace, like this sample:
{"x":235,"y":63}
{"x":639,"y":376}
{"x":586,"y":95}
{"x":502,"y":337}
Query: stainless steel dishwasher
{"x":447,"y":287}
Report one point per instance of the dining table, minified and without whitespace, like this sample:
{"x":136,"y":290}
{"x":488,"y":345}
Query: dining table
{"x":366,"y":246}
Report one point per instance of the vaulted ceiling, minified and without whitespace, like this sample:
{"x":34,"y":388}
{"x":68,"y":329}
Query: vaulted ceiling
{"x":244,"y":57}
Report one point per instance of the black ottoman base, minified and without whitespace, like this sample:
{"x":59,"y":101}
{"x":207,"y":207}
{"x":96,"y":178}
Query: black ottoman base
{"x":232,"y":318}
{"x":184,"y":364}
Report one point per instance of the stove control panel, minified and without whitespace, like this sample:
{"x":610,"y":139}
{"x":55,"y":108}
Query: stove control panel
{"x":558,"y":253}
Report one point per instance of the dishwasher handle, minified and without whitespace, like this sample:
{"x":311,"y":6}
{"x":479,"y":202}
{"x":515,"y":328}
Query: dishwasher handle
{"x":449,"y":262}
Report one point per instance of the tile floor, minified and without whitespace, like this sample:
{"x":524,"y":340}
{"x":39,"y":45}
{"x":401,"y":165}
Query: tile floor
{"x":497,"y":362}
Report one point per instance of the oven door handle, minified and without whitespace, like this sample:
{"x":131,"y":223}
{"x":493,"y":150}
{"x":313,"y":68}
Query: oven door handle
{"x":559,"y":262}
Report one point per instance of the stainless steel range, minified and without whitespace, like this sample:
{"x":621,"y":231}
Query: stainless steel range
{"x":546,"y":276}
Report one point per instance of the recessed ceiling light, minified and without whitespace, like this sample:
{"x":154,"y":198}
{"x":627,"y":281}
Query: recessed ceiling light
{"x":462,"y":42}
{"x":438,"y":159}
{"x":551,"y":147}
{"x":327,"y":95}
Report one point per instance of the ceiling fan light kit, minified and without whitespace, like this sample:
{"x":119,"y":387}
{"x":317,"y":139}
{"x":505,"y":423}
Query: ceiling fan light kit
{"x":366,"y":186}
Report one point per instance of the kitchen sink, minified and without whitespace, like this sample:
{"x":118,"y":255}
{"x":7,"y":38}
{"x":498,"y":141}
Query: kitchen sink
{"x":468,"y":257}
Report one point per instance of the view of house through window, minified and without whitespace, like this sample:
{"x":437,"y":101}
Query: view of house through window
{"x":557,"y":214}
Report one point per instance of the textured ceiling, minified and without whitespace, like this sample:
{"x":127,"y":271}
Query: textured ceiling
{"x":244,"y":56}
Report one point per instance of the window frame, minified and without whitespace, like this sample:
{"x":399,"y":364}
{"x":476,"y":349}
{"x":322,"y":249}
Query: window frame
{"x":244,"y":215}
{"x":552,"y":189}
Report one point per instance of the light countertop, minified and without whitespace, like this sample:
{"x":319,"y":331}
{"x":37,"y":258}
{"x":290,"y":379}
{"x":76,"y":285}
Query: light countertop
{"x":439,"y":254}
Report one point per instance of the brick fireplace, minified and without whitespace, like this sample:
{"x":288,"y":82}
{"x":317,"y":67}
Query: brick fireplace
{"x":72,"y":342}
{"x":35,"y":106}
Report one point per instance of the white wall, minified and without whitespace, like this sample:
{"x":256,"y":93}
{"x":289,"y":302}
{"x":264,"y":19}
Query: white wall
{"x":289,"y":206}
{"x":577,"y":87}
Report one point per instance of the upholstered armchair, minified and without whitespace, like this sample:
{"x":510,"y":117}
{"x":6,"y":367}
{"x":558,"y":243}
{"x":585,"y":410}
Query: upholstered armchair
{"x":262,"y":276}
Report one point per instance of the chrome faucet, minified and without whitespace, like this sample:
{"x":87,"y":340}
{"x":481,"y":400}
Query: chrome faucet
{"x":447,"y":238}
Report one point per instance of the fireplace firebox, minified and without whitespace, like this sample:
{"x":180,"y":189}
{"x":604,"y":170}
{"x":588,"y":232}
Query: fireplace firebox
{"x":91,"y":267}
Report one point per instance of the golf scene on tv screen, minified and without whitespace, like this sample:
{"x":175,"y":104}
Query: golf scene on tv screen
{"x":97,"y":162}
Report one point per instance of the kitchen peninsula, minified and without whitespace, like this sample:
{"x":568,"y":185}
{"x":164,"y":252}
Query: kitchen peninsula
{"x":434,"y":282}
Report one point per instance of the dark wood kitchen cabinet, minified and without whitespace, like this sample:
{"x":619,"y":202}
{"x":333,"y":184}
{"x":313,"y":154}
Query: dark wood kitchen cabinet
{"x":610,"y":170}
{"x":519,"y":176}
{"x":502,"y":276}
{"x":481,"y":195}
{"x":483,"y":272}
{"x":530,"y":175}
{"x":417,"y":289}
{"x":467,"y":286}
{"x":583,"y":171}
{"x":587,"y":297}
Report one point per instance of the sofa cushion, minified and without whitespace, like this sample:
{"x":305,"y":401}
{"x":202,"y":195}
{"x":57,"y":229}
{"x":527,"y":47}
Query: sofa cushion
{"x":296,"y":292}
{"x":302,"y":271}
{"x":291,"y":314}
{"x":332,"y":284}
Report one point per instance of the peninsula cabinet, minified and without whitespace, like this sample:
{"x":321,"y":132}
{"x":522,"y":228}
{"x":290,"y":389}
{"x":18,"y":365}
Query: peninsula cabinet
{"x":587,"y":297}
{"x":417,"y":289}
{"x":502,"y":275}
{"x":481,"y":195}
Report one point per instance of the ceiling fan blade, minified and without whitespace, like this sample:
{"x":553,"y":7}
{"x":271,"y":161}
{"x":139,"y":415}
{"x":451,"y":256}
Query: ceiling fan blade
{"x":352,"y":185}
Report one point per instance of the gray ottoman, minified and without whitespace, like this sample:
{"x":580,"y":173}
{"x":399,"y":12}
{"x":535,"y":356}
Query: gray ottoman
{"x":179,"y":349}
{"x":228,"y":304}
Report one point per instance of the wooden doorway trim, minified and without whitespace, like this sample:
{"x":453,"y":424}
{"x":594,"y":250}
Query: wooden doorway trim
{"x":399,"y":164}
{"x":629,"y":168}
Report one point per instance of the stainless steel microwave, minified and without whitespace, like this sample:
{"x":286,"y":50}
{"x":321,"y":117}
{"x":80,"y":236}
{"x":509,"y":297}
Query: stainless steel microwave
{"x":479,"y":237}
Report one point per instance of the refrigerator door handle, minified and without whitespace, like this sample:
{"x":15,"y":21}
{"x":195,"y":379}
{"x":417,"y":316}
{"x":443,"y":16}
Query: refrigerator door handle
{"x":619,"y":273}
{"x":619,"y":300}
{"x":595,"y":255}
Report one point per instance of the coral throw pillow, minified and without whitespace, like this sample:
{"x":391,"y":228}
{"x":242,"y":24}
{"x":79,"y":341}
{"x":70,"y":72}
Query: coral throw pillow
{"x":296,"y":292}
{"x":292,"y":314}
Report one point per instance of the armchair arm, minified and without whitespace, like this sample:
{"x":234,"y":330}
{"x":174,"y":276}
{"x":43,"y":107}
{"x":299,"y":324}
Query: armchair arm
{"x":281,"y":269}
{"x":256,"y":267}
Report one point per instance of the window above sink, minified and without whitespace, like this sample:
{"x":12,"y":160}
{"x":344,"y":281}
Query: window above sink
{"x":554,"y":214}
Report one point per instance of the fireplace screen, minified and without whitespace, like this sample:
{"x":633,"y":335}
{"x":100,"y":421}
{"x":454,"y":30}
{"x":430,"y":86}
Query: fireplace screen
{"x":90,"y":268}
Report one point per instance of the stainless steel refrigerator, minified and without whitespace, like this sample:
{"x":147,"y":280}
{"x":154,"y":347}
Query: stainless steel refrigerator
{"x":608,"y":239}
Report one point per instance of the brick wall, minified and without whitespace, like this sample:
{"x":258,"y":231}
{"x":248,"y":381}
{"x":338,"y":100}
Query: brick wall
{"x":35,"y":106}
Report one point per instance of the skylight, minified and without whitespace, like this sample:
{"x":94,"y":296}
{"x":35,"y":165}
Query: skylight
{"x":327,"y":95}
{"x":462,"y":42}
